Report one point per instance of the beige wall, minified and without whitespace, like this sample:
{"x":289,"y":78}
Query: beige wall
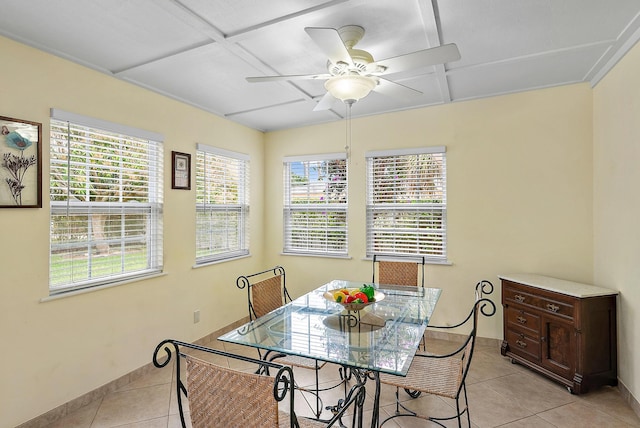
{"x":617,"y":204}
{"x":58,"y":350}
{"x":519,"y":171}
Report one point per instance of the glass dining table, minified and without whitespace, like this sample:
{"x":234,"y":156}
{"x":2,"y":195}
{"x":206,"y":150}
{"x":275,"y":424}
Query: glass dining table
{"x":382,"y":337}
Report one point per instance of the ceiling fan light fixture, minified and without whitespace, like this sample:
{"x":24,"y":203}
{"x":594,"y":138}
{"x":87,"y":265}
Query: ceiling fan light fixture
{"x":350,"y":88}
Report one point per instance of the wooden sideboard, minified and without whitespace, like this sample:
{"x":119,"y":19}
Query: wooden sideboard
{"x":561,"y":329}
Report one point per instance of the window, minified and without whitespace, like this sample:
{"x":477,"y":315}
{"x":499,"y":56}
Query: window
{"x":222,"y":204}
{"x":315,"y":205}
{"x":407,"y":203}
{"x":106,"y":202}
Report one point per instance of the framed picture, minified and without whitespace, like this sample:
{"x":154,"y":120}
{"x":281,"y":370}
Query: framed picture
{"x":20,"y":164}
{"x":180,"y":170}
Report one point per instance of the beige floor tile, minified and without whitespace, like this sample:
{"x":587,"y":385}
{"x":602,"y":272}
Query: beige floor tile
{"x":151,"y":423}
{"x":579,"y":415}
{"x":490,"y":409}
{"x":156,"y":376}
{"x":529,"y":422}
{"x":81,"y":418}
{"x":132,"y":406}
{"x":329,"y":373}
{"x":174,"y":421}
{"x":173,"y":403}
{"x":427,"y":405}
{"x":490,"y":365}
{"x":609,"y":400}
{"x":530,"y":392}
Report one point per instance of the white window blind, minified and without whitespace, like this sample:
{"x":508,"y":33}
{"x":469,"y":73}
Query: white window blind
{"x":407,"y":203}
{"x":315,"y":205}
{"x":222,"y":204}
{"x":106,"y":203}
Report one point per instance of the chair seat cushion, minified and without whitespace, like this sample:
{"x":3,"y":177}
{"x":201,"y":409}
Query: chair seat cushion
{"x":296,"y":361}
{"x":283,"y":421}
{"x":439,"y":376}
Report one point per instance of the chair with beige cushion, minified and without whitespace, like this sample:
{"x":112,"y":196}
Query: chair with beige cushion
{"x":444,"y":374}
{"x":266,"y":292}
{"x":399,"y":269}
{"x":223,"y":397}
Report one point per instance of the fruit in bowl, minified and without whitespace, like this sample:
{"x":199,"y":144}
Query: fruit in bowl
{"x":354,"y":299}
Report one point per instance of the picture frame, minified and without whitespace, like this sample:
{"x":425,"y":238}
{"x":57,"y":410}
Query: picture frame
{"x":180,"y":170}
{"x":20,"y":163}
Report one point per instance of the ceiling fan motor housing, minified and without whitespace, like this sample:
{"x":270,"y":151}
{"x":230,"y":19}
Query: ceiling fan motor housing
{"x":361,"y":60}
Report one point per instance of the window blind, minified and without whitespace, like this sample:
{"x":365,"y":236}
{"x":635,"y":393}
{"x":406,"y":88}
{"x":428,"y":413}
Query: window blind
{"x":106,"y":206}
{"x":315,"y":205}
{"x":222,"y":204}
{"x":407,"y":202}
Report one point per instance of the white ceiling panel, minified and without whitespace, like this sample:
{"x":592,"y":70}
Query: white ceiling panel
{"x":105,"y":35}
{"x":201,"y":51}
{"x":502,"y":29}
{"x":220,"y":81}
{"x":559,"y":68}
{"x":233,"y":17}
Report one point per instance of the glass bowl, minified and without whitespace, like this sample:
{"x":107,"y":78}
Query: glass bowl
{"x":378,"y":296}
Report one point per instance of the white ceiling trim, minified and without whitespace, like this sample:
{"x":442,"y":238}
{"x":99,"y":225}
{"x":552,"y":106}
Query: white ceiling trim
{"x":616,"y":52}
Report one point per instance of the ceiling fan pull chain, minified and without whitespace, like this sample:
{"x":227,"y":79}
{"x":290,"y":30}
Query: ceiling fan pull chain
{"x":347,"y":147}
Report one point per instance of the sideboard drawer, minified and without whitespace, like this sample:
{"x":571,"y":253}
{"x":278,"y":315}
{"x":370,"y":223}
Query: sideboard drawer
{"x":518,"y":317}
{"x":557,"y":304}
{"x":522,"y":344}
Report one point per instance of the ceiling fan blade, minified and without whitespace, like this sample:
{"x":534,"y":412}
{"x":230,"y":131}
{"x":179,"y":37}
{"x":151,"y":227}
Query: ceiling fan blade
{"x":396,"y":90}
{"x":423,"y":58}
{"x":258,"y":79}
{"x":329,"y":41}
{"x":325,"y":103}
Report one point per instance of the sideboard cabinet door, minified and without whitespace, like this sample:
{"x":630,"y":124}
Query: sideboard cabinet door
{"x":563,"y":330}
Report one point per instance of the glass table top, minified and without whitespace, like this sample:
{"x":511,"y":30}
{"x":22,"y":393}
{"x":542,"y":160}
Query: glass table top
{"x":382,"y":337}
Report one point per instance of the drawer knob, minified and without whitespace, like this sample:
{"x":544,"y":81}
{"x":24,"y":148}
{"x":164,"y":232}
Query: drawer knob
{"x":552,"y":307}
{"x":519,"y":298}
{"x":521,"y":344}
{"x":521,"y":320}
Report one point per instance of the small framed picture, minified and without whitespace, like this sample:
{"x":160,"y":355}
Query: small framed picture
{"x":20,"y":163}
{"x":180,"y":171}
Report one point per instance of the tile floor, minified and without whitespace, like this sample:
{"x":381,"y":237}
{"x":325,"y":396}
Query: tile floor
{"x":501,"y":394}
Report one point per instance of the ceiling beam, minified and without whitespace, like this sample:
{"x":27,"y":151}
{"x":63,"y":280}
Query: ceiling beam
{"x":431,"y":21}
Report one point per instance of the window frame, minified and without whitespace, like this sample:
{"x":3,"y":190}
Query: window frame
{"x":130,"y":228}
{"x":321,"y":209}
{"x":242,"y":207}
{"x":408,"y":208}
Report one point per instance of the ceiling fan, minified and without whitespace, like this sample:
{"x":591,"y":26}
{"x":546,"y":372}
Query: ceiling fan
{"x":353,"y":73}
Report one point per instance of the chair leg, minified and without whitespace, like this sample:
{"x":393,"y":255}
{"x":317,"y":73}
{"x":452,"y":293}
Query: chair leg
{"x":466,"y":405}
{"x":318,"y":401}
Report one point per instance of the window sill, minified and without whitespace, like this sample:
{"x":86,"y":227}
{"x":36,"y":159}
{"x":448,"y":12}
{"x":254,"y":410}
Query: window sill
{"x":326,"y":256}
{"x":66,"y":294}
{"x":215,"y":262}
{"x":426,"y":262}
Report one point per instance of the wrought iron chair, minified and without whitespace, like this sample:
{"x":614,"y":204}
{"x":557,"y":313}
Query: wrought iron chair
{"x":266,"y":292}
{"x":223,"y":397}
{"x":399,"y":269}
{"x":444,"y":375}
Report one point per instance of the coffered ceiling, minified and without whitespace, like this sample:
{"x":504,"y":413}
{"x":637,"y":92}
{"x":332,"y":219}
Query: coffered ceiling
{"x":201,"y":51}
